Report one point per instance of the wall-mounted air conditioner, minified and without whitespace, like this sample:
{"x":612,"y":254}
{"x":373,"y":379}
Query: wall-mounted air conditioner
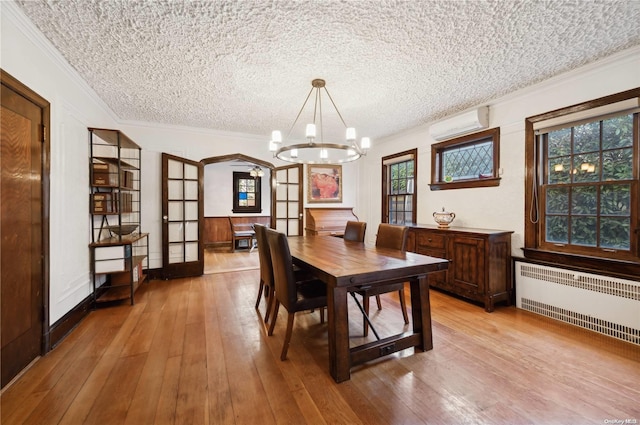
{"x":477,"y":119}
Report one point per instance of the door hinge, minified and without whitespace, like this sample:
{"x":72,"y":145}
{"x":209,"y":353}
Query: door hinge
{"x":43,"y":133}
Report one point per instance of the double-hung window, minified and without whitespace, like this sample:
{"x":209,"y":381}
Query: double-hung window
{"x":398,"y":190}
{"x":584,"y":197}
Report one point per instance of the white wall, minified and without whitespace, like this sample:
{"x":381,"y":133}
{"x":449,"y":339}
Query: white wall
{"x":30,"y":58}
{"x":499,"y":207}
{"x":27,"y":56}
{"x":218,"y":193}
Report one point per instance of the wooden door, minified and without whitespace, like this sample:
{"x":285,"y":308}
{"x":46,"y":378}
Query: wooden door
{"x":182,"y":217}
{"x":286,"y":200}
{"x":22,"y":284}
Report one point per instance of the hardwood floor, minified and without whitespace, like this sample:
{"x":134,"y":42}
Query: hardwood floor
{"x":195,"y":351}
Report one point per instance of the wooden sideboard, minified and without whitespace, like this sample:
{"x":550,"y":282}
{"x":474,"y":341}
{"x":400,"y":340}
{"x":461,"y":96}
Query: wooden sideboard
{"x":328,"y":221}
{"x":479,"y":261}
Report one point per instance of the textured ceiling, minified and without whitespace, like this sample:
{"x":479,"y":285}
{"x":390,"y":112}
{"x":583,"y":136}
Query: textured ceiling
{"x":246,"y":66}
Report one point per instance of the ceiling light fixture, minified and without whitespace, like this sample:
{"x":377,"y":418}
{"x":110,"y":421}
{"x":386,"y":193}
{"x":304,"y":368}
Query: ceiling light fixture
{"x":256,"y":172}
{"x":316,"y":151}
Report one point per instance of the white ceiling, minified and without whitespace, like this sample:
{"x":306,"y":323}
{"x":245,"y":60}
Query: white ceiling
{"x":246,"y":66}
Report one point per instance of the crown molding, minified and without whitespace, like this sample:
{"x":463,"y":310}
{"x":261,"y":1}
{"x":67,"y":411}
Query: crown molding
{"x":12,"y":11}
{"x":615,"y":60}
{"x":196,"y":130}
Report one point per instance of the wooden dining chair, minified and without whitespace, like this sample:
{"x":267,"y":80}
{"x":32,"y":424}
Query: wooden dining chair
{"x":294,"y":295}
{"x":355,"y":230}
{"x":394,"y":237}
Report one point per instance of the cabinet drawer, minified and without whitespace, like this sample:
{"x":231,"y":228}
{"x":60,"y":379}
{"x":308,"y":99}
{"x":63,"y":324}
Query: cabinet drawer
{"x":438,"y":253}
{"x":430,"y":240}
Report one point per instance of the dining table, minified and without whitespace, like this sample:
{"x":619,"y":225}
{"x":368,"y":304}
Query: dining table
{"x":348,"y":266}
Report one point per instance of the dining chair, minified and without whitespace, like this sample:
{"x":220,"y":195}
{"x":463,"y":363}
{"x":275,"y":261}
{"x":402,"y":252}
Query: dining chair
{"x":267,"y":288}
{"x":355,"y":230}
{"x":394,"y":237}
{"x":294,"y":295}
{"x":266,"y":270}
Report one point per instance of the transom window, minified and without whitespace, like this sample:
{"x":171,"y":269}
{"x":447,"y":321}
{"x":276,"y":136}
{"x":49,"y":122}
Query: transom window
{"x":468,"y":161}
{"x":399,"y":176}
{"x":246,"y":193}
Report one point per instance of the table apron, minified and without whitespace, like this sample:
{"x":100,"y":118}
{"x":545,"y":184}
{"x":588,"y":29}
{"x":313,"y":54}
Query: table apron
{"x":384,"y":282}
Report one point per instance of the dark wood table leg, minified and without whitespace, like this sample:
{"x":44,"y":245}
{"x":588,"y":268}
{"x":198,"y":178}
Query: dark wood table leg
{"x":421,"y":312}
{"x":338,"y":323}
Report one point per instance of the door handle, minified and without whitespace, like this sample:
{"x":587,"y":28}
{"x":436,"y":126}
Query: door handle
{"x":165,"y":219}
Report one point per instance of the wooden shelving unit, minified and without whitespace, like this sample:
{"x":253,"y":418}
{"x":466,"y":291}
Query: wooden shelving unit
{"x":119,"y":250}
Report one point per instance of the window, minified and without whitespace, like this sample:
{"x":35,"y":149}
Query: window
{"x":468,"y":161}
{"x":246,"y":193}
{"x":584,"y":200}
{"x":398,"y":190}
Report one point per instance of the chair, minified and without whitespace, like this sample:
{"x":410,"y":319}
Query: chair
{"x":355,"y":230}
{"x":394,"y":237}
{"x":241,"y":231}
{"x":293,"y":295}
{"x":266,"y":270}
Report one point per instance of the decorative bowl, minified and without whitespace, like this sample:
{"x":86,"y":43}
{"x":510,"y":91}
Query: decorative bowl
{"x":443,"y":218}
{"x":123,"y":230}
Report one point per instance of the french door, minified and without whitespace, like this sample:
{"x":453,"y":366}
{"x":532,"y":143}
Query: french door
{"x":286,"y":205}
{"x":182,"y":217}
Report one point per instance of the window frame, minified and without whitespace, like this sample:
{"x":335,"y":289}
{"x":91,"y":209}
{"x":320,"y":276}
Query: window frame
{"x":437,"y":149}
{"x":237,"y":208}
{"x":386,"y":162}
{"x":619,"y":263}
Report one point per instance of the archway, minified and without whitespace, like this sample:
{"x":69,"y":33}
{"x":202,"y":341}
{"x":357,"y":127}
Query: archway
{"x":218,"y":199}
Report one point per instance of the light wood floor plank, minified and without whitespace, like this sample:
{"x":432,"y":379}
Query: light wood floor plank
{"x":195,"y":351}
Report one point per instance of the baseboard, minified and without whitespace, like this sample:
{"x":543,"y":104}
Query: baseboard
{"x":153,"y":274}
{"x":69,"y":321}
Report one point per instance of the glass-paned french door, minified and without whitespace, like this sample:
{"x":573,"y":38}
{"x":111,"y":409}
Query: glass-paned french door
{"x":182,"y":217}
{"x":287,"y":200}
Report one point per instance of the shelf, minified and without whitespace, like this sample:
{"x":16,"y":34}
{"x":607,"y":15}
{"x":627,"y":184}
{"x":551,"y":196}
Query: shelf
{"x":117,"y":161}
{"x":113,"y":136}
{"x":118,"y":292}
{"x":120,"y":240}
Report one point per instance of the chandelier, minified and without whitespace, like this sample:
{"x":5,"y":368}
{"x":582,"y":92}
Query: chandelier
{"x":316,"y":150}
{"x":256,"y":172}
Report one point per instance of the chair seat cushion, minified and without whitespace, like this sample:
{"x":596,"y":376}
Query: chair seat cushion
{"x":311,"y":294}
{"x":244,"y":233}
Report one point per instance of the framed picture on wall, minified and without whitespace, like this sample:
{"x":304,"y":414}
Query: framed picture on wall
{"x":324,"y":183}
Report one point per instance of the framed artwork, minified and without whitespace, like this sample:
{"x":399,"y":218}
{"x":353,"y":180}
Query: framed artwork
{"x":324,"y":183}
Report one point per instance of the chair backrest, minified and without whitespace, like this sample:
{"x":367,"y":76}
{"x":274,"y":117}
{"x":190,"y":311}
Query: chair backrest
{"x":264,"y":254}
{"x":392,"y":236}
{"x":284,"y":279}
{"x":355,"y":230}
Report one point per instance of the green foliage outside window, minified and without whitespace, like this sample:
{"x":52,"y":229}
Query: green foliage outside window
{"x":401,"y":176}
{"x":588,"y":184}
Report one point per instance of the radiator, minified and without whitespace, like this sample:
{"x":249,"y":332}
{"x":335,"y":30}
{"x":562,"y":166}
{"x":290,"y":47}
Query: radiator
{"x":602,"y":304}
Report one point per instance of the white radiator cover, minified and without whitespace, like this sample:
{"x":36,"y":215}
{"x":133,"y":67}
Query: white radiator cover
{"x":607,"y":305}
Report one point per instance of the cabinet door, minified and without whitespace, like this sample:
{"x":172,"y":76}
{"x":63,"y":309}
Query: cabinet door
{"x":467,"y":263}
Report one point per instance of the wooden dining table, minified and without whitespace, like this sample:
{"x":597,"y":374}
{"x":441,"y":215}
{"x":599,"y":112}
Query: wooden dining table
{"x":347,"y":266}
